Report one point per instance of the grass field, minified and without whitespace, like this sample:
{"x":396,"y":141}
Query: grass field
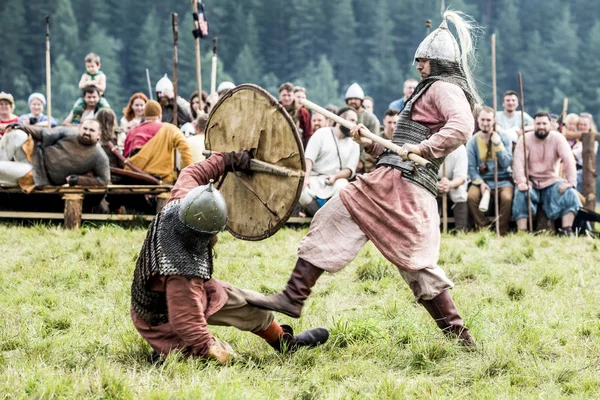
{"x":533,"y":303}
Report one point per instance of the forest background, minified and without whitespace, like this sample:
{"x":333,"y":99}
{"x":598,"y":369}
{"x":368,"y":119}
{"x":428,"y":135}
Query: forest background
{"x":319,"y":44}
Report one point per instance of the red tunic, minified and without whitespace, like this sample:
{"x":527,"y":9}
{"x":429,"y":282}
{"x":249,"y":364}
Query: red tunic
{"x":399,"y":217}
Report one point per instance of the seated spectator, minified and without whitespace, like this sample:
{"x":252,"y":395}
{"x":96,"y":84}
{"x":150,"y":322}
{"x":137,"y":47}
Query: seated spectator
{"x":86,"y":106}
{"x":354,"y":98}
{"x":481,"y":149}
{"x":150,"y":146}
{"x":585,"y":124}
{"x":318,"y":121}
{"x":454,"y":185}
{"x":509,"y":121}
{"x":133,"y":113}
{"x":36,"y":117}
{"x":55,"y":157}
{"x":570,"y":129}
{"x":407,"y":90}
{"x":109,"y":132}
{"x":92,"y":75}
{"x":331,"y":159}
{"x":299,"y":114}
{"x":389,"y":124}
{"x":196,"y":141}
{"x":7,"y":106}
{"x":558,"y":198}
{"x":165,"y":94}
{"x":197,"y":104}
{"x":369,"y":104}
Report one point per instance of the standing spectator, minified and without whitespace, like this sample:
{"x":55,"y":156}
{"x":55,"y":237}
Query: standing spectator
{"x":196,"y":141}
{"x":92,"y":75}
{"x":407,"y":90}
{"x":300,"y":115}
{"x":389,"y":123}
{"x":545,"y":149}
{"x":86,"y":106}
{"x":165,"y":95}
{"x":509,"y":121}
{"x":109,"y":132}
{"x":133,"y":113}
{"x":454,"y":185}
{"x":331,"y":159}
{"x":7,"y":106}
{"x":570,"y":129}
{"x":354,"y":98}
{"x":299,"y":94}
{"x":481,"y":149}
{"x":36,"y":103}
{"x":318,"y":121}
{"x":369,"y":104}
{"x":585,"y":124}
{"x":197,"y":104}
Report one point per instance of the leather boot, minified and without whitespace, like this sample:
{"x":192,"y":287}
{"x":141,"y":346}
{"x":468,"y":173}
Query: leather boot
{"x":290,"y":301}
{"x":444,"y":312}
{"x":289,"y":343}
{"x":311,"y":208}
{"x":461,"y":216}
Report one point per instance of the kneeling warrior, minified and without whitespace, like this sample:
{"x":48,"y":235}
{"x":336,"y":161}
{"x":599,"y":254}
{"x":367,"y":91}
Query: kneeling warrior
{"x":395,"y":205}
{"x":173,"y":295}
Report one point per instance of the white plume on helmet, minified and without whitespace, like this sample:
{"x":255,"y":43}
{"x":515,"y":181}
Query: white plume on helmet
{"x":441,"y":45}
{"x":355,"y":92}
{"x":164,"y":84}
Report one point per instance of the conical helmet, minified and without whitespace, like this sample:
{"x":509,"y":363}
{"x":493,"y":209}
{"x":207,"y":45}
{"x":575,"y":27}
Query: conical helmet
{"x":204,"y":209}
{"x":355,"y":92}
{"x":439,"y":45}
{"x":164,"y":84}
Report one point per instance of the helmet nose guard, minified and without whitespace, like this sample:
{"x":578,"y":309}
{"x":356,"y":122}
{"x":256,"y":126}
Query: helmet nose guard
{"x":204,"y":209}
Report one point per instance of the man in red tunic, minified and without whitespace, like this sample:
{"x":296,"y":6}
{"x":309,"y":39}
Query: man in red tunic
{"x":395,"y":205}
{"x":174,"y":297}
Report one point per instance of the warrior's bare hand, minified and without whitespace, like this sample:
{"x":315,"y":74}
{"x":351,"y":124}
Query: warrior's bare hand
{"x":356,"y":136}
{"x":218,"y":351}
{"x":407,"y":148}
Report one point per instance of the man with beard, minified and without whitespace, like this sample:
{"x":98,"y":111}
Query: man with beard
{"x":299,"y":114}
{"x":86,"y":107}
{"x":558,"y":198}
{"x":481,"y":149}
{"x":173,"y":295}
{"x":165,"y":95}
{"x":355,"y":98}
{"x":395,"y":206}
{"x":31,"y":157}
{"x":331,"y":159}
{"x":318,"y":121}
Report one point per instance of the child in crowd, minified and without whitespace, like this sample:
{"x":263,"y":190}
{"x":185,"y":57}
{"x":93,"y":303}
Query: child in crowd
{"x":570,"y":128}
{"x":93,"y":75}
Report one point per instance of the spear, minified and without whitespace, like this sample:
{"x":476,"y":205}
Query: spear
{"x":213,"y":75}
{"x":175,"y":37}
{"x":495,"y":102}
{"x":198,"y":63}
{"x":525,"y":153}
{"x":48,"y":73}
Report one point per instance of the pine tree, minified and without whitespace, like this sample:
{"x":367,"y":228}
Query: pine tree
{"x":65,"y":34}
{"x":65,"y":77}
{"x":12,"y":22}
{"x":343,"y":41}
{"x":247,"y":68}
{"x":320,"y":82}
{"x":509,"y":46}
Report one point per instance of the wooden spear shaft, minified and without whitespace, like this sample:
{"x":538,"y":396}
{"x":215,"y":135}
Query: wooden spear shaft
{"x":213,"y":72}
{"x":445,"y":204}
{"x":495,"y":102}
{"x":198,"y":59}
{"x":48,"y":74}
{"x":530,"y":222}
{"x":175,"y":61}
{"x":367,"y":133}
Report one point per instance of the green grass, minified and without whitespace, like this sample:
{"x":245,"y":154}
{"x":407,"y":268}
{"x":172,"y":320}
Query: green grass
{"x":532,"y":302}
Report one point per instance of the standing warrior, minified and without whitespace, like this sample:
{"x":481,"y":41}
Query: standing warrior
{"x":395,"y":206}
{"x":173,"y":295}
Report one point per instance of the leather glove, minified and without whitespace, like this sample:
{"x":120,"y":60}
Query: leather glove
{"x":239,"y":161}
{"x":220,"y":351}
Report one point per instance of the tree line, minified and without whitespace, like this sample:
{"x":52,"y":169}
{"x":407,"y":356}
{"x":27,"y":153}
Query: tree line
{"x":319,"y":44}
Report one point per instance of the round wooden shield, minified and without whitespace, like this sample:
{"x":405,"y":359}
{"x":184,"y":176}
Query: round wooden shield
{"x":249,"y":118}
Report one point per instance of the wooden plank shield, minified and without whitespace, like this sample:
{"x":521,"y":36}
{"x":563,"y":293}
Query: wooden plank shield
{"x":249,"y":118}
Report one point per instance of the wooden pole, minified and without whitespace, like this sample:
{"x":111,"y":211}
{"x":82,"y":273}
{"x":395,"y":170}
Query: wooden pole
{"x":213,"y":73}
{"x":73,"y":207}
{"x":589,"y":170}
{"x":48,"y":74}
{"x":428,"y":26}
{"x":525,"y":153}
{"x":175,"y":61}
{"x":495,"y":102}
{"x":366,"y":133}
{"x":198,"y":59}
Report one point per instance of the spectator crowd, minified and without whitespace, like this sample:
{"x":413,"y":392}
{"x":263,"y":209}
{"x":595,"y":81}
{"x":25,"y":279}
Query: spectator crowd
{"x":154,"y":139}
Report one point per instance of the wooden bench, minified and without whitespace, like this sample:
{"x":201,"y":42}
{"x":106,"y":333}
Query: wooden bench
{"x":73,"y":197}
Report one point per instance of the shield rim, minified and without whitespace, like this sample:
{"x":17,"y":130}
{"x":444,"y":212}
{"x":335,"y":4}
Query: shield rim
{"x":290,"y":121}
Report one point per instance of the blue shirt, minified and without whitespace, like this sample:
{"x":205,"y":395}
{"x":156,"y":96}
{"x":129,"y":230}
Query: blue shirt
{"x":397,"y":104}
